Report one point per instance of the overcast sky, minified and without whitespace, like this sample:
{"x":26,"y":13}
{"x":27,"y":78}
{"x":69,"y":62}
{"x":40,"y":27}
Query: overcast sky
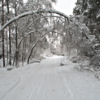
{"x":65,"y":6}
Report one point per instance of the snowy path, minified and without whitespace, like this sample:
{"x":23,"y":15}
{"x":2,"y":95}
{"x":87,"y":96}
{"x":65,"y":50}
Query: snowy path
{"x":49,"y":81}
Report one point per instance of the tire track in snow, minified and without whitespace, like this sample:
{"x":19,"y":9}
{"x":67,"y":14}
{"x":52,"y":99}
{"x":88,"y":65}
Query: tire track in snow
{"x":33,"y":87}
{"x":36,"y":85}
{"x":67,"y":85}
{"x":19,"y":79}
{"x":10,"y":89}
{"x":51,"y":82}
{"x":40,"y":85}
{"x":22,"y":85}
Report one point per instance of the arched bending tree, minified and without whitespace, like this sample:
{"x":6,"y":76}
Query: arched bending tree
{"x":46,"y":23}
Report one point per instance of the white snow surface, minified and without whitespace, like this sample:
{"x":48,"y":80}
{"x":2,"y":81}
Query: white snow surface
{"x":48,"y":81}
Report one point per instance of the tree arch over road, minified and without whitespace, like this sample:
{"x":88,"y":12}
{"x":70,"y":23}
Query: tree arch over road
{"x":43,"y":13}
{"x":39,"y":11}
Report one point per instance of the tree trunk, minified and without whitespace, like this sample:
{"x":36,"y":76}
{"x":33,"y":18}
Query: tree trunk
{"x":7,"y":46}
{"x":16,"y":44}
{"x":3,"y":50}
{"x":7,"y":1}
{"x":16,"y":33}
{"x":32,"y":51}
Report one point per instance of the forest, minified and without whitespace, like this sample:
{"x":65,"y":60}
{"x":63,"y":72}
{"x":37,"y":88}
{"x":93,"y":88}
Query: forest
{"x":29,"y":29}
{"x":48,"y":55}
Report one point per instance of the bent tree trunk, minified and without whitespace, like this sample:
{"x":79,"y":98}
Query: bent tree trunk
{"x":35,"y":45}
{"x":32,"y":51}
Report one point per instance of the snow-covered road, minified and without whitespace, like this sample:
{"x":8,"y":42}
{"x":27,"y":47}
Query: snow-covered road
{"x":48,"y":81}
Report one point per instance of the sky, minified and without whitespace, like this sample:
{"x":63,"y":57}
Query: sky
{"x":65,"y":6}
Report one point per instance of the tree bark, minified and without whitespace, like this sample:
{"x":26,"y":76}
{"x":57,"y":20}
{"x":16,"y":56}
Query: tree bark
{"x":3,"y":50}
{"x":16,"y":34}
{"x":7,"y":1}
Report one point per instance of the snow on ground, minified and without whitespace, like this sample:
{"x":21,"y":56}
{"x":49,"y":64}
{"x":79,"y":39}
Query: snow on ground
{"x":48,"y":81}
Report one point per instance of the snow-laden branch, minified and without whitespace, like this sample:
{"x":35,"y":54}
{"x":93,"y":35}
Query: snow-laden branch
{"x":79,"y":27}
{"x":84,"y":34}
{"x":39,"y":11}
{"x":30,"y":13}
